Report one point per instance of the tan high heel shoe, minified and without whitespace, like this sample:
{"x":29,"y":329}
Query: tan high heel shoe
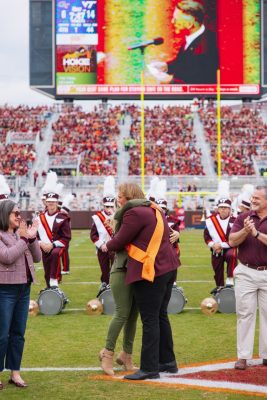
{"x":126,"y":360}
{"x":106,"y":358}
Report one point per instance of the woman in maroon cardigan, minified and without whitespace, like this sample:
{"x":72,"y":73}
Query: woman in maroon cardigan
{"x":18,"y":250}
{"x":151,"y":269}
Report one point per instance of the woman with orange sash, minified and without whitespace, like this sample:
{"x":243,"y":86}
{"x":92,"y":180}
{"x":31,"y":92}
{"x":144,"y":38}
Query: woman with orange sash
{"x":151,"y":271}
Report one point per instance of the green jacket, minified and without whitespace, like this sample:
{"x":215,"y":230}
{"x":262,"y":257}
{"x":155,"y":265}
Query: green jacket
{"x":121,"y":257}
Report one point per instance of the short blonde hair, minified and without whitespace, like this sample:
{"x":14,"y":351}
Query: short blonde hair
{"x":131,"y":191}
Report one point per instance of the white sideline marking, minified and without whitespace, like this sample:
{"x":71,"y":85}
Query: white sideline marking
{"x":97,"y":283}
{"x":84,"y":309}
{"x":248,"y":387}
{"x":173,"y":379}
{"x":44,"y":369}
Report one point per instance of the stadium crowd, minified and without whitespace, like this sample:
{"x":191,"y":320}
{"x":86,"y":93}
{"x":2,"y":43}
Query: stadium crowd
{"x":91,"y":135}
{"x":243,"y":136}
{"x":23,"y":122}
{"x":170,"y":145}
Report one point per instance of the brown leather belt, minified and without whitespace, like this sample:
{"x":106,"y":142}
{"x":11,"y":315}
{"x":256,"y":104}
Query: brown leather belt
{"x":257,"y":267}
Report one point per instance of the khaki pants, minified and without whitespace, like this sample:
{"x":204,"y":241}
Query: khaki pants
{"x":250,"y":293}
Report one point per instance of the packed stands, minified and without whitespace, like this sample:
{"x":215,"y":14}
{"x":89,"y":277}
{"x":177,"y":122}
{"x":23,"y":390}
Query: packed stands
{"x":243,"y":137}
{"x":170,"y":145}
{"x":20,"y":131}
{"x":91,"y":137}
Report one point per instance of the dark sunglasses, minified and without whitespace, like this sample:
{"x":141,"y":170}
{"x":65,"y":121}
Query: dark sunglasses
{"x":17,"y":213}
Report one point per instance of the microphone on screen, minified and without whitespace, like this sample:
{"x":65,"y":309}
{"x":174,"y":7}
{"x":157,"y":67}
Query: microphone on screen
{"x":143,"y":45}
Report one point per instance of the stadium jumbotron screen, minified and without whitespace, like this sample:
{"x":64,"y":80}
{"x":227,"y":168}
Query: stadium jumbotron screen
{"x":103,"y":46}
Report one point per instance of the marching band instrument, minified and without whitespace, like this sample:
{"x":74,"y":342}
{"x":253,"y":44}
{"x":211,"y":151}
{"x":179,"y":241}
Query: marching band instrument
{"x":177,"y":301}
{"x":225,"y":298}
{"x":94,"y":307}
{"x":51,"y":301}
{"x":209,"y":306}
{"x":107,"y":300}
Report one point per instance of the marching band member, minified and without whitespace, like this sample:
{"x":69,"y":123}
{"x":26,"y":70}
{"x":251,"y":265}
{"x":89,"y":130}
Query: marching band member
{"x":54,"y":232}
{"x":65,"y":258}
{"x":101,"y":231}
{"x":216,"y":236}
{"x":173,"y":222}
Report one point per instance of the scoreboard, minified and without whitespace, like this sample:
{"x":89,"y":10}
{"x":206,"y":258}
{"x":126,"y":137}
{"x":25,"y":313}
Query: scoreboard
{"x":92,"y":57}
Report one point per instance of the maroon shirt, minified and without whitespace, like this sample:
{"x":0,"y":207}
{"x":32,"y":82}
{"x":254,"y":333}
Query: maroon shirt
{"x":252,"y":251}
{"x":137,"y":227}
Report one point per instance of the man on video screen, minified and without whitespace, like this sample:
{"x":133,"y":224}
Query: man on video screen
{"x":197,"y":59}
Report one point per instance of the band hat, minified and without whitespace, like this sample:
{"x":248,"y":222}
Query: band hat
{"x":109,"y":201}
{"x":246,"y":204}
{"x":245,"y":197}
{"x":161,"y":197}
{"x":152,"y":191}
{"x":109,"y":194}
{"x":50,"y":184}
{"x":52,"y":197}
{"x":52,"y":189}
{"x":224,"y":203}
{"x":162,"y":203}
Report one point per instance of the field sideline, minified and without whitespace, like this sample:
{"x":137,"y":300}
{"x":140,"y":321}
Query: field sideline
{"x":73,"y":339}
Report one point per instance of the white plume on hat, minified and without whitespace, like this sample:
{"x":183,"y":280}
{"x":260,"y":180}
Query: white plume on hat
{"x":52,"y":189}
{"x":109,"y":193}
{"x":109,"y":187}
{"x":67,"y":201}
{"x":59,"y":188}
{"x":223,"y":189}
{"x":50,"y":183}
{"x":245,"y":196}
{"x":161,"y":197}
{"x":4,"y":188}
{"x":152,"y":192}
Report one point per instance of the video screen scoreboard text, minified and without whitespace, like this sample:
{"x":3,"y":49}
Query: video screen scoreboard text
{"x":93,"y":59}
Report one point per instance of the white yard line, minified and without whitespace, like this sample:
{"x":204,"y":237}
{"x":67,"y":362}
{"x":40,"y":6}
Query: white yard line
{"x":177,"y":379}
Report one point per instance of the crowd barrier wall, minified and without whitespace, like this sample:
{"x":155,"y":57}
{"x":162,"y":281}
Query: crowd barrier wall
{"x":83,"y":219}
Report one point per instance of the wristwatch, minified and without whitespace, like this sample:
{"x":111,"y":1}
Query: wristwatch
{"x":257,"y":235}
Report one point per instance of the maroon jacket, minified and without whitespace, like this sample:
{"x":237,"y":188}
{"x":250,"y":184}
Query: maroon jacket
{"x":137,"y":227}
{"x":61,"y":228}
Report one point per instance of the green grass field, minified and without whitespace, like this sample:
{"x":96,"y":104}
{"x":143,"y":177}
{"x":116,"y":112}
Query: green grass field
{"x":73,"y":339}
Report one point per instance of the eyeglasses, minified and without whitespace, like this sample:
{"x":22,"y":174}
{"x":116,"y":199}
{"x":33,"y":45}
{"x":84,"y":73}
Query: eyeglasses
{"x":17,"y":213}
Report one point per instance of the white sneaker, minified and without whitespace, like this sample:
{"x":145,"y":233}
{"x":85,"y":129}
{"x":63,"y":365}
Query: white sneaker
{"x":53,"y":282}
{"x":65,"y":272}
{"x":229,"y":282}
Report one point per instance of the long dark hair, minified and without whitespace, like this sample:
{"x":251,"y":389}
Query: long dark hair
{"x":6,"y":207}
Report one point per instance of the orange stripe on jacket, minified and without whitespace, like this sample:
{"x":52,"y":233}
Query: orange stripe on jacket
{"x":46,"y":227}
{"x":104,"y":222}
{"x":218,"y":228}
{"x":147,"y":258}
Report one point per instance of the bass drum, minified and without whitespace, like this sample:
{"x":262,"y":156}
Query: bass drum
{"x":177,"y":301}
{"x":107,"y":300}
{"x":51,"y":301}
{"x":226,"y":300}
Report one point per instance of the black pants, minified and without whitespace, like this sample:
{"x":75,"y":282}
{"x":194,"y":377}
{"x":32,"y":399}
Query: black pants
{"x":152,"y":299}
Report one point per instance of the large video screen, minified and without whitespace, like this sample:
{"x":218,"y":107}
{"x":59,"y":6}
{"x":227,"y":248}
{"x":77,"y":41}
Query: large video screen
{"x":165,"y":48}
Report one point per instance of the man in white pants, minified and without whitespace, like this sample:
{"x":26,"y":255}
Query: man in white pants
{"x":249,"y":233}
